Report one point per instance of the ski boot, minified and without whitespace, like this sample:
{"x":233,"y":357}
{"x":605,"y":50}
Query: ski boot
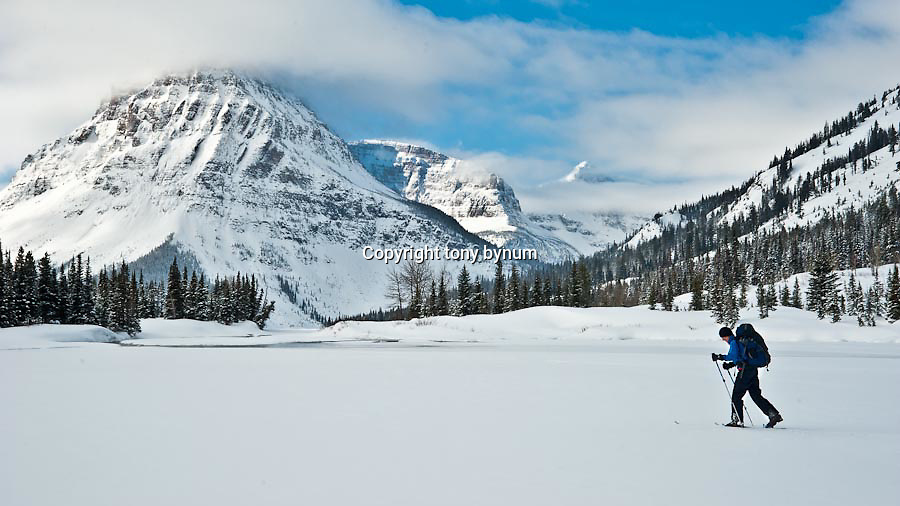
{"x":773,"y":419}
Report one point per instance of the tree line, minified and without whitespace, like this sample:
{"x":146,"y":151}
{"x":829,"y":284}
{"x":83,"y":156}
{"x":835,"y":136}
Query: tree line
{"x":415,"y":290}
{"x":35,"y":292}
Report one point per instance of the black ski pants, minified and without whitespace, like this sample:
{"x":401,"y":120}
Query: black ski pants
{"x":747,"y":380}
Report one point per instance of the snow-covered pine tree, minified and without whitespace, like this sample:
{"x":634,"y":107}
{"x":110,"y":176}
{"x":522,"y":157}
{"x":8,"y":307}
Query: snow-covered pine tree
{"x":876,"y":293}
{"x":133,"y":319}
{"x":822,"y":285}
{"x":184,"y":288}
{"x":537,"y":292}
{"x":653,"y":294}
{"x":796,"y":300}
{"x":772,"y":298}
{"x":668,"y":297}
{"x":835,"y":306}
{"x":87,"y":293}
{"x":761,"y":303}
{"x":785,"y":295}
{"x":202,"y":299}
{"x":893,"y":295}
{"x":697,"y":293}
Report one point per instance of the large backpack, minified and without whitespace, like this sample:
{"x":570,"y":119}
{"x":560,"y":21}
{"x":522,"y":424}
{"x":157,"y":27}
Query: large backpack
{"x":757,"y":351}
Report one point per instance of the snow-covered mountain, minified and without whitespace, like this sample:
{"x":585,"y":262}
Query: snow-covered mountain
{"x":480,"y":201}
{"x":843,"y":183}
{"x":587,"y":231}
{"x":231,"y":173}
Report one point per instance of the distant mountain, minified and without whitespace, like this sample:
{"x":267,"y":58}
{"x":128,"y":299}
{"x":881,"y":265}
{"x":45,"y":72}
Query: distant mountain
{"x":481,"y":202}
{"x":231,"y":174}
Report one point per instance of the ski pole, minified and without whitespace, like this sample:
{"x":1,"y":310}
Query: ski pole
{"x":734,"y":410}
{"x":745,"y":405}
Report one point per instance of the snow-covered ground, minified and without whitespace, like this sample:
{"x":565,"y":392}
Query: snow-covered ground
{"x":536,"y":407}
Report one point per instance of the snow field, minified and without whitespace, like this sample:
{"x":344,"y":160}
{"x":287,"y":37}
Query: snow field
{"x":508,"y":420}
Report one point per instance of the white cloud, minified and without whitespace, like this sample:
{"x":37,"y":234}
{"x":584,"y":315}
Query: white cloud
{"x":662,"y":112}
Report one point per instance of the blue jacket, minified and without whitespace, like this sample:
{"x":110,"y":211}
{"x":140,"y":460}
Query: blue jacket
{"x":737,"y":352}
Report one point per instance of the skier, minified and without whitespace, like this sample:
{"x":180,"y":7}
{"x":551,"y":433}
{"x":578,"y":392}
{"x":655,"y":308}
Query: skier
{"x":747,"y":356}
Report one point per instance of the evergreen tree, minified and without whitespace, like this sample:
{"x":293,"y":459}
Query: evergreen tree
{"x":668,"y":295}
{"x":499,"y":289}
{"x":574,"y":295}
{"x":103,"y":304}
{"x":87,"y":293}
{"x":513,"y":292}
{"x":5,"y":293}
{"x":697,"y":294}
{"x":175,"y":295}
{"x":731,"y":312}
{"x":463,"y":293}
{"x":785,"y":296}
{"x":822,"y":285}
{"x":480,"y":300}
{"x":432,"y":301}
{"x":76,"y":301}
{"x":443,"y":303}
{"x":415,"y":305}
{"x":62,"y":308}
{"x":876,"y":293}
{"x":47,"y":292}
{"x":795,"y":295}
{"x":537,"y":292}
{"x":201,"y":298}
{"x":653,"y":296}
{"x":893,"y":295}
{"x":761,"y":302}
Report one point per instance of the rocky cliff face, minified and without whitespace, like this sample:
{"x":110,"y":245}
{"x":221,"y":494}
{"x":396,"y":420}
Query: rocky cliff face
{"x":481,"y":202}
{"x":232,"y":172}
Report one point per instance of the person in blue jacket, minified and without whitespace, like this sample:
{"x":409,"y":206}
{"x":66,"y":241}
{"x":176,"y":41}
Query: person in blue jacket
{"x":748,"y":362}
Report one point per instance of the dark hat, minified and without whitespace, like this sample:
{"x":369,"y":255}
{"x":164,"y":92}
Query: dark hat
{"x":725,"y":331}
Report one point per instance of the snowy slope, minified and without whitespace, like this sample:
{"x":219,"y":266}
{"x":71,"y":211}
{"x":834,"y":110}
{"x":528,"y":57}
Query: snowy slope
{"x":481,"y":202}
{"x":854,"y":188}
{"x":860,"y":185}
{"x":654,"y":228}
{"x":230,"y":171}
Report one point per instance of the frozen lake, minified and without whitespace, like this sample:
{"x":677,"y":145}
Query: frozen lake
{"x":605,"y":422}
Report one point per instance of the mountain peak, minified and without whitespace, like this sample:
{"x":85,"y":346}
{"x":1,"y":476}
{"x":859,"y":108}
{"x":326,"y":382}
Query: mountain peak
{"x":231,"y":172}
{"x":583,"y":172}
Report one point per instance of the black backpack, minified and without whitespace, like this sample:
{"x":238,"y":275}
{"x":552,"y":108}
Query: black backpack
{"x":746,"y":332}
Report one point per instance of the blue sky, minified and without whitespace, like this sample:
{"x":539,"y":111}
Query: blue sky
{"x":682,"y":19}
{"x":672,"y":99}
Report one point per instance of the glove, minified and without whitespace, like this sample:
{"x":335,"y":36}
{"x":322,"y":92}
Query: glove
{"x":728,"y":365}
{"x":717,"y":357}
